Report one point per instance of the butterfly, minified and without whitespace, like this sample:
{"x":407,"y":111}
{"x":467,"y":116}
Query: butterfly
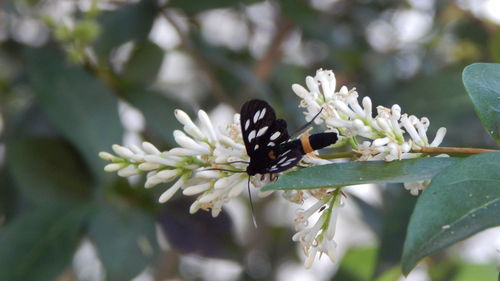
{"x":267,"y":140}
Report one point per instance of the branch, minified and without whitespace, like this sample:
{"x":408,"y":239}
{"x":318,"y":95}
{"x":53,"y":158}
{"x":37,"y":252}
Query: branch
{"x":217,"y":89}
{"x":265,"y":65}
{"x":453,"y":150}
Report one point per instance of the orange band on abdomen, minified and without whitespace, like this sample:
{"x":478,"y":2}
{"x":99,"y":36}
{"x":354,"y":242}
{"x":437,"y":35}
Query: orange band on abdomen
{"x":306,"y":145}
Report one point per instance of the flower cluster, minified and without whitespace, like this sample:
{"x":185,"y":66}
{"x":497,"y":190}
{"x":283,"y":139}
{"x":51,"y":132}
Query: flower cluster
{"x":343,"y":113}
{"x":318,"y":239}
{"x":383,"y":136}
{"x":209,"y":162}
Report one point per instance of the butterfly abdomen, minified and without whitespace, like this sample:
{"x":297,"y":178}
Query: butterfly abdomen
{"x":322,"y":140}
{"x":309,"y":143}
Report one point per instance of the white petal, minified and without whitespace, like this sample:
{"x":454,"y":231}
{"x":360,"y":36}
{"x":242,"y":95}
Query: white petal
{"x":381,"y":141}
{"x":367,"y":107}
{"x":441,"y":132}
{"x":237,"y":188}
{"x":107,"y":156}
{"x":167,"y":175}
{"x":160,"y":160}
{"x":150,"y":148}
{"x":122,"y":151}
{"x":312,"y":85}
{"x":152,"y":181}
{"x":113,"y":167}
{"x":311,"y":255}
{"x":207,"y":123}
{"x":300,"y":91}
{"x":195,"y":189}
{"x":178,"y":151}
{"x":171,"y":191}
{"x":128,"y":171}
{"x":148,"y":166}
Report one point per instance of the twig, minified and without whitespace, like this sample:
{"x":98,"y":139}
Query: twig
{"x":338,"y":155}
{"x":265,"y":65}
{"x":217,"y":89}
{"x":453,"y":150}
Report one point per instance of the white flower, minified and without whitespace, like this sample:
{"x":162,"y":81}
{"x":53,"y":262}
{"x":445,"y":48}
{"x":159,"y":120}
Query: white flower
{"x":416,"y":187}
{"x":193,"y":165}
{"x":318,"y":238}
{"x":388,"y":136}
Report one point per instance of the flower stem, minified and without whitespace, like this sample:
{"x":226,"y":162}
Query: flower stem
{"x":453,"y":150}
{"x":347,"y":154}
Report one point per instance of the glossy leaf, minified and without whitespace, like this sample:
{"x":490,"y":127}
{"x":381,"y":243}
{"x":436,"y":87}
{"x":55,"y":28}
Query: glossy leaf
{"x":157,"y":109}
{"x":356,"y":265}
{"x":125,"y":239}
{"x":144,"y":63}
{"x":77,"y":103}
{"x":350,"y":173}
{"x":194,"y":6}
{"x":461,"y":201}
{"x":398,"y":206}
{"x":482,"y":81}
{"x":184,"y":230}
{"x":39,"y":245}
{"x":129,"y":23}
{"x":450,"y":107}
{"x":47,"y":171}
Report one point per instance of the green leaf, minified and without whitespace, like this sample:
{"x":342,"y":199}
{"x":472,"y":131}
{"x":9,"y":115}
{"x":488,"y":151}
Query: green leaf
{"x":482,"y":82}
{"x":392,"y":274}
{"x":39,"y":245}
{"x":195,"y":6}
{"x":461,"y":201}
{"x":350,"y":173}
{"x":477,"y":272}
{"x":157,"y":109}
{"x":450,"y":106}
{"x":77,"y":103}
{"x":144,"y":63}
{"x":198,"y":233}
{"x":47,"y":171}
{"x":398,"y":206}
{"x":494,"y":46}
{"x":125,"y":240}
{"x":357,"y":265}
{"x":130,"y":23}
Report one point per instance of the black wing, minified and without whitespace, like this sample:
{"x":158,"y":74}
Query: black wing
{"x":286,"y":160}
{"x":262,"y":132}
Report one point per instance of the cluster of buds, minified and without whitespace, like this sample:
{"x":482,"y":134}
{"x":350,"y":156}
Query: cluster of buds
{"x":209,"y":163}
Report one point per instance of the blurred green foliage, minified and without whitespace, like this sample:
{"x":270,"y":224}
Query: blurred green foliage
{"x":61,"y":85}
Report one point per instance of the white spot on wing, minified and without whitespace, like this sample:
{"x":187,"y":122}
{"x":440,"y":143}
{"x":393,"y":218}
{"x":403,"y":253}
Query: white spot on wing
{"x":247,"y":124}
{"x":282,"y":160}
{"x":262,"y":131}
{"x":262,"y":113}
{"x":256,"y":147}
{"x":271,"y":144}
{"x":286,"y":152}
{"x":256,"y":116}
{"x":251,"y":135}
{"x":275,"y":135}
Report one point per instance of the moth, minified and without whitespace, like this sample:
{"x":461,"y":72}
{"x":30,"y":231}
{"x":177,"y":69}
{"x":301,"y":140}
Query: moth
{"x":268,"y":143}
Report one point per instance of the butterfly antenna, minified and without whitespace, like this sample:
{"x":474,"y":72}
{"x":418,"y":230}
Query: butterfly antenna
{"x":223,"y":170}
{"x":251,"y":203}
{"x":232,"y":162}
{"x":298,"y":131}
